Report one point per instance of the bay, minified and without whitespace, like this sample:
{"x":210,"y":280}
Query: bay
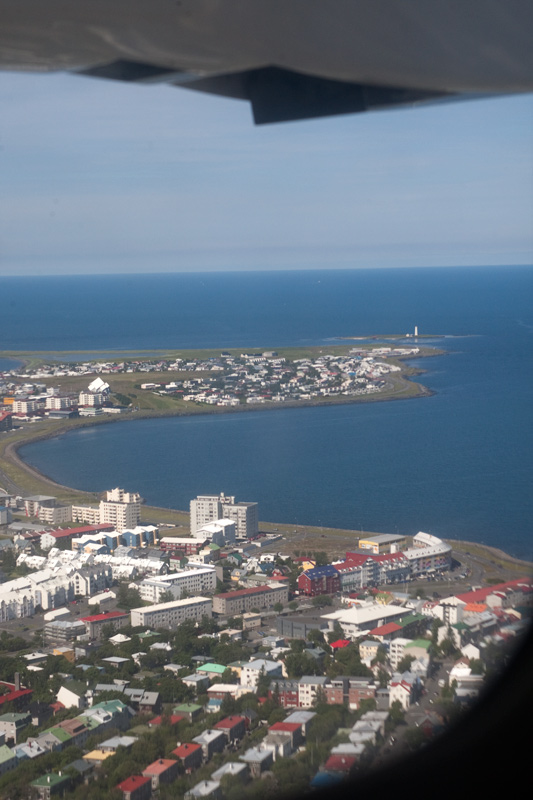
{"x":457,"y":464}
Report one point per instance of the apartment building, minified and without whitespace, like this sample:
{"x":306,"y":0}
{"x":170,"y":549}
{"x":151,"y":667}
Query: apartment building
{"x":92,"y":399}
{"x":206,"y":509}
{"x":195,"y":582}
{"x":243,"y":600}
{"x":171,"y":615}
{"x":57,"y":403}
{"x":121,"y":509}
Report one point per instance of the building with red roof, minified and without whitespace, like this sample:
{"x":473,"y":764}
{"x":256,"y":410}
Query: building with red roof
{"x":292,"y":729}
{"x":502,"y":595}
{"x":243,"y":600}
{"x":14,"y":693}
{"x":340,"y":763}
{"x":136,"y":787}
{"x":173,"y":719}
{"x":164,"y":770}
{"x":234,"y":728}
{"x":386,"y":632}
{"x":190,"y":754}
{"x":95,"y":622}
{"x":339,"y":644}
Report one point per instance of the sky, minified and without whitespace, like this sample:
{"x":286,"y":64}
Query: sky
{"x":100,"y":176}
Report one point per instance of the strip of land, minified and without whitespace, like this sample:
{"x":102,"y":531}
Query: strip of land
{"x":169,"y":393}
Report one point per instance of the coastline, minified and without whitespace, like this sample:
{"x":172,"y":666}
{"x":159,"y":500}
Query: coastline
{"x":492,"y":559}
{"x":15,"y":471}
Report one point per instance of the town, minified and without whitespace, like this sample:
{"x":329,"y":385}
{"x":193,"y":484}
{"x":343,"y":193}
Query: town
{"x":225,"y":381}
{"x":219,"y":663}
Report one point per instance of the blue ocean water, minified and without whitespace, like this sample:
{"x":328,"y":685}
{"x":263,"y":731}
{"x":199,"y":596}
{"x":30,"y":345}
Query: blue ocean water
{"x":457,"y":464}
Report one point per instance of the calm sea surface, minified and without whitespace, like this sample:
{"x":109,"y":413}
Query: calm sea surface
{"x":457,"y":464}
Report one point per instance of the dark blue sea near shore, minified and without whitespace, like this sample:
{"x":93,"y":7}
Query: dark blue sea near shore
{"x":457,"y":464}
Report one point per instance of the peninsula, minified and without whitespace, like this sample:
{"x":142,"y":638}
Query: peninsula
{"x":50,"y":393}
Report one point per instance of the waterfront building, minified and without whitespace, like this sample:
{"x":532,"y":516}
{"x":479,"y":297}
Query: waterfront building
{"x":121,"y":509}
{"x":57,"y":403}
{"x":383,"y":543}
{"x":91,"y":399}
{"x":211,"y":508}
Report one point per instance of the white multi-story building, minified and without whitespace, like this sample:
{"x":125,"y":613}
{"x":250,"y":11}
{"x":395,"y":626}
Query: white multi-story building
{"x":245,"y":516}
{"x":211,"y":508}
{"x":205,"y":508}
{"x":196,"y":581}
{"x":57,"y":403}
{"x":26,"y":406}
{"x":308,"y":686}
{"x":221,"y":532}
{"x":251,"y":672}
{"x":120,"y":509}
{"x":92,"y":399}
{"x":173,"y":614}
{"x":56,"y":515}
{"x":88,"y":514}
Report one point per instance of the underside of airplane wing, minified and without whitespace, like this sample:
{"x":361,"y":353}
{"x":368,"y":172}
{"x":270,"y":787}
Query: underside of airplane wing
{"x":291,"y":59}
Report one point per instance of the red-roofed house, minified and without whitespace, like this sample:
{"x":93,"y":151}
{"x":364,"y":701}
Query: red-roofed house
{"x":242,"y":600}
{"x":172,"y":719}
{"x":136,"y":787}
{"x":233,"y":727}
{"x":190,"y":754}
{"x":292,"y":729}
{"x":95,"y":622}
{"x":503,"y":595}
{"x":164,"y":770}
{"x":13,"y":693}
{"x":386,"y":632}
{"x":340,"y":763}
{"x":62,"y":537}
{"x":339,"y":644}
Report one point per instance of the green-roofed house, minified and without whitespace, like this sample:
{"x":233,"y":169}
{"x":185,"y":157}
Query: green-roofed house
{"x":413,"y":624}
{"x":147,"y":635}
{"x":213,"y":670}
{"x":190,"y":711}
{"x":50,"y":784}
{"x":61,"y":734}
{"x":8,"y":759}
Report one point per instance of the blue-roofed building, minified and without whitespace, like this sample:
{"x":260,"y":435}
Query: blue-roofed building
{"x":319,"y":580}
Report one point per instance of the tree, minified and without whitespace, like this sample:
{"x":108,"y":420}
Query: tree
{"x":278,"y":607}
{"x":128,"y":597}
{"x":316,"y":637}
{"x":396,"y":713}
{"x":321,"y":600}
{"x":404,"y":665}
{"x":293,"y":605}
{"x":166,"y":596}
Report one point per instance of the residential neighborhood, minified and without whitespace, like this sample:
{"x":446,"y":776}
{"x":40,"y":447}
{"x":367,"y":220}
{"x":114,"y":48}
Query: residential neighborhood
{"x":227,"y":380}
{"x":144,"y":664}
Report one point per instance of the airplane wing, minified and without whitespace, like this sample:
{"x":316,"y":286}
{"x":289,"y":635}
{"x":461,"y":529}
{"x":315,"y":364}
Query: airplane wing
{"x":290,"y":58}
